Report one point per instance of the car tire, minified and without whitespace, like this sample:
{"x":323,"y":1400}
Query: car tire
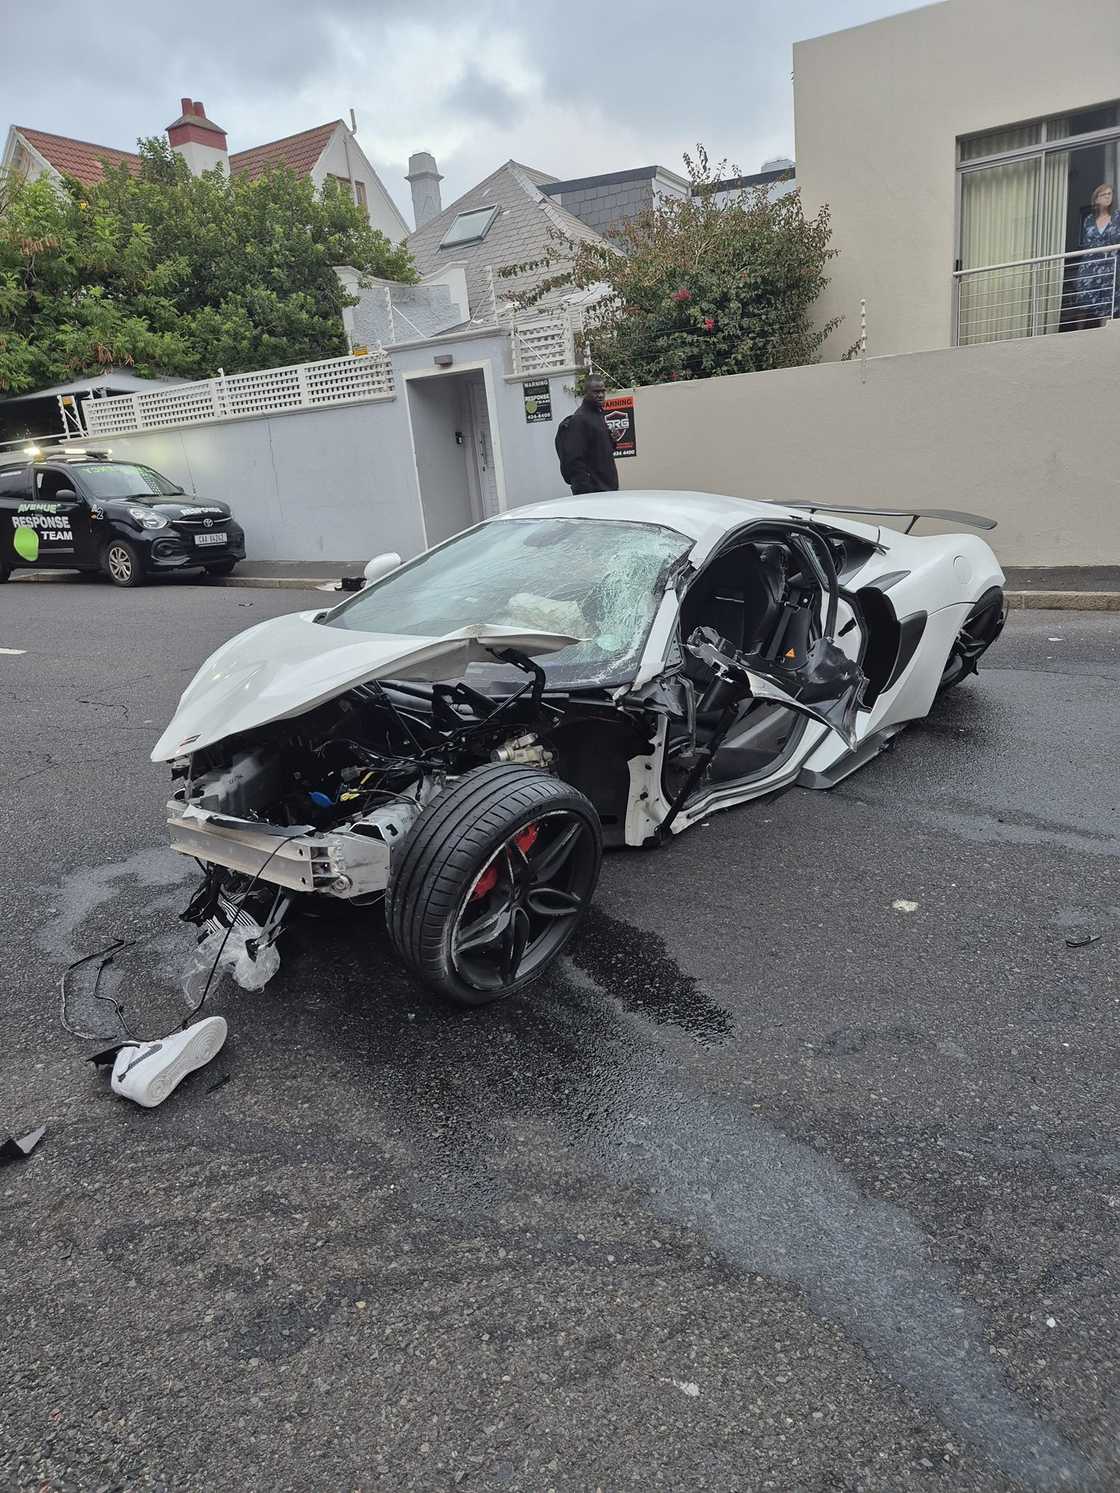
{"x":508,"y":850}
{"x":982,"y":627}
{"x":4,"y":574}
{"x":227,"y":567}
{"x":121,"y":563}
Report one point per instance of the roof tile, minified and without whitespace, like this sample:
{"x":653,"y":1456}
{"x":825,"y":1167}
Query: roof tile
{"x":298,"y":152}
{"x":78,"y":158}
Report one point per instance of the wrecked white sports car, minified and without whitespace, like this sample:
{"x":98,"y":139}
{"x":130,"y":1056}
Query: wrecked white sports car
{"x":461,"y":738}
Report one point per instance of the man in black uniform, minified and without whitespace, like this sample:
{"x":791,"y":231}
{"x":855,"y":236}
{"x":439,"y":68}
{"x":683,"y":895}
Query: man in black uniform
{"x":585,"y":445}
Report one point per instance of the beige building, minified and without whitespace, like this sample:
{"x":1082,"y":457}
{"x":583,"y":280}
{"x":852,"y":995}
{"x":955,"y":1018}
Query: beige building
{"x":959,"y":147}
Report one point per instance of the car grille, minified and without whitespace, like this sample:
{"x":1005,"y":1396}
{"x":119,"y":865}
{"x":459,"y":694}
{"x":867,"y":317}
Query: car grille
{"x":200,"y":525}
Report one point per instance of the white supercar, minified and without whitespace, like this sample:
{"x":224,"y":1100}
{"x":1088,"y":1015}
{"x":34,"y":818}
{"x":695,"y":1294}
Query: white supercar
{"x":461,"y":738}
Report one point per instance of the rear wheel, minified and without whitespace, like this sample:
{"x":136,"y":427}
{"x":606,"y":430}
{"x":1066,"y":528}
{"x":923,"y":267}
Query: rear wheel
{"x":493,"y":882}
{"x":122,"y":563}
{"x":982,"y":627}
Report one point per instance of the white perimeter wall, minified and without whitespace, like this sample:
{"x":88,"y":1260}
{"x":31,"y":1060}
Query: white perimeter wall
{"x":1024,"y":432}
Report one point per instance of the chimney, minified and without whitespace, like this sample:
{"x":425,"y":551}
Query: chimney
{"x":200,"y":141}
{"x":424,"y":180}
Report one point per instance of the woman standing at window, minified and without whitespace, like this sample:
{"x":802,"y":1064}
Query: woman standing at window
{"x":1098,"y":277}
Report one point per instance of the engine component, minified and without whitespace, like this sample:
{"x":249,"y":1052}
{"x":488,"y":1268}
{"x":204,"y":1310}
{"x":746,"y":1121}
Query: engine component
{"x":526,"y":750}
{"x":252,"y":781}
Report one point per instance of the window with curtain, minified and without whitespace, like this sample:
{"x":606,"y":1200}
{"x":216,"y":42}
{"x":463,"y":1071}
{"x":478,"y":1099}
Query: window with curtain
{"x":1023,"y":208}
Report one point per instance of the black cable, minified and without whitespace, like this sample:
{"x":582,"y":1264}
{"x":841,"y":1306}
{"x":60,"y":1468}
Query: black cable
{"x":232,"y":923}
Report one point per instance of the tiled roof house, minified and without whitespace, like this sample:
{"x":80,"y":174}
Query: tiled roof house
{"x":327,"y":150}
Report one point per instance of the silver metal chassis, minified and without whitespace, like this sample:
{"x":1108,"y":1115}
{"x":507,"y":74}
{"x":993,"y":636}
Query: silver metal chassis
{"x":334,"y":863}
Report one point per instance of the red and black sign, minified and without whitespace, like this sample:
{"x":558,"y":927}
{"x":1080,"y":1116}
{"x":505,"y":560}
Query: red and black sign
{"x":618,"y":409}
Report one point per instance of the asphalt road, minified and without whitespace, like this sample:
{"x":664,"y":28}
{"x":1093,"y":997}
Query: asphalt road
{"x":773,"y":1186}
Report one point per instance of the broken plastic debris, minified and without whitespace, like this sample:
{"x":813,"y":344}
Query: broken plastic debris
{"x":900,"y":904}
{"x":252,"y":969}
{"x":686,"y":1388}
{"x":1080,"y":940}
{"x":18,"y":1150}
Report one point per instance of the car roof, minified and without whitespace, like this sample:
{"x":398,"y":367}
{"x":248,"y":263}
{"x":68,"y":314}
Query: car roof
{"x":690,"y":513}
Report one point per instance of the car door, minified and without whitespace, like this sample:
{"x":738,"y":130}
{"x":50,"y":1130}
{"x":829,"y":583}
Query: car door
{"x":65,"y":535}
{"x":15,"y":489}
{"x":768,"y":638}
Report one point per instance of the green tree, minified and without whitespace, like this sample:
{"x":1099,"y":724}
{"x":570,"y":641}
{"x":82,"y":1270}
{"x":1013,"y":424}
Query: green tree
{"x":700,"y":286}
{"x":166,"y":272}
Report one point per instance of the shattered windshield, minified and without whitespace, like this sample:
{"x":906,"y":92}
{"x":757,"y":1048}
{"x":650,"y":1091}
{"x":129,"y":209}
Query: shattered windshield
{"x":119,"y":479}
{"x":597,"y":580}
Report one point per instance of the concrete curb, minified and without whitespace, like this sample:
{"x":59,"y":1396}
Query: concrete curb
{"x":1043,"y":601}
{"x":1065,"y":601}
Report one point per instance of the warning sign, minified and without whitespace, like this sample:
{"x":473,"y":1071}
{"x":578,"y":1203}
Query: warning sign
{"x":538,"y":401}
{"x":618,"y":410}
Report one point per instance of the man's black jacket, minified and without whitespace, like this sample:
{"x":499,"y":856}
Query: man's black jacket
{"x":586,"y":450}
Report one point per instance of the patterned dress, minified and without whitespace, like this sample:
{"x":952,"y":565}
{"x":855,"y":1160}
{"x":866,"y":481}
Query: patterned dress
{"x":1098,"y":281}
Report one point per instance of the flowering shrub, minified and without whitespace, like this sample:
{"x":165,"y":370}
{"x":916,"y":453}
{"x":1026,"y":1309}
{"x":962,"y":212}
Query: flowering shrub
{"x":705,"y":284}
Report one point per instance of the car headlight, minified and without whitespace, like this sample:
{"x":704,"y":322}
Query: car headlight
{"x":154,"y":522}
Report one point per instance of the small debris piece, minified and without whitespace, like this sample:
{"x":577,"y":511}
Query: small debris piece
{"x":1081,"y":940}
{"x":900,"y":904}
{"x":1051,"y":1322}
{"x":219,"y":1083}
{"x":691,"y":1390}
{"x":18,"y":1150}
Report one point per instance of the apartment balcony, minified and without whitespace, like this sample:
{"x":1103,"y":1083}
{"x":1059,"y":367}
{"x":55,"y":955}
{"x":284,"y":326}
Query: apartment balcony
{"x":1034,"y":297}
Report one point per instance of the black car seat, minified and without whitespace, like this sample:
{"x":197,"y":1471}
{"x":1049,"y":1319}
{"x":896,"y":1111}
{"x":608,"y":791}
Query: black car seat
{"x":740,"y":595}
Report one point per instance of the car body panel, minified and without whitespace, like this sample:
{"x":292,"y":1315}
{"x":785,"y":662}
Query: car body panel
{"x":288,"y":665}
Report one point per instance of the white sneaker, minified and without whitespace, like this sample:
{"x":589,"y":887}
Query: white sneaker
{"x":146,"y":1072}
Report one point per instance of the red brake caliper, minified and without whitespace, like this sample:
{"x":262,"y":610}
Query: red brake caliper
{"x":487,"y":881}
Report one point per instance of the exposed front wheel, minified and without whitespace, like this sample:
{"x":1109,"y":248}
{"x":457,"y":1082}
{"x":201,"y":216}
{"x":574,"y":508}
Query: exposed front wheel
{"x":493,"y":881}
{"x":122,"y":563}
{"x":982,"y":627}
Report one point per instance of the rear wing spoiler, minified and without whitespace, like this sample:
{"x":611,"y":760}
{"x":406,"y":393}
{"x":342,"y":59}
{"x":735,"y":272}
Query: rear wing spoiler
{"x":946,"y":515}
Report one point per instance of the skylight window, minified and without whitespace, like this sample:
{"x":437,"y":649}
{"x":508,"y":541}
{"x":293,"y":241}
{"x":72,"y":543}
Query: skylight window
{"x":469,"y":228}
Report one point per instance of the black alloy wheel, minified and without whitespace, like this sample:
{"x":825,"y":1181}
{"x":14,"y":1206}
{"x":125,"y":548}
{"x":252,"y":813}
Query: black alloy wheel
{"x":982,"y":627}
{"x":493,"y":881}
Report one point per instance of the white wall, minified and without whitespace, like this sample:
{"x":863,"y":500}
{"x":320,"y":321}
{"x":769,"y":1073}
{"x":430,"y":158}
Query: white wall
{"x":878,"y":110}
{"x":344,"y":157}
{"x":1024,"y":432}
{"x":322,"y":485}
{"x":341,"y":484}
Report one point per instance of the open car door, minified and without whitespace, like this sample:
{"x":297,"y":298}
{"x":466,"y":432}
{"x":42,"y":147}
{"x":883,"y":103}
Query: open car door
{"x":787,"y":653}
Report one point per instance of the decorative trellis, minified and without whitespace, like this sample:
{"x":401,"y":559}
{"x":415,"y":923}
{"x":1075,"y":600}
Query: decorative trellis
{"x":240,"y":396}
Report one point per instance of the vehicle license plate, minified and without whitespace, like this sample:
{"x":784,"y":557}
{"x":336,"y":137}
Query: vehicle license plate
{"x":210,"y":538}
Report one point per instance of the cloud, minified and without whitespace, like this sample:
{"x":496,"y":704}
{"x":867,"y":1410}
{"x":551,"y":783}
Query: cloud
{"x":570,"y":91}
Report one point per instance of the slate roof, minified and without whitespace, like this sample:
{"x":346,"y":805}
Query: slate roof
{"x":520,"y":232}
{"x":80,"y":158}
{"x":299,"y":152}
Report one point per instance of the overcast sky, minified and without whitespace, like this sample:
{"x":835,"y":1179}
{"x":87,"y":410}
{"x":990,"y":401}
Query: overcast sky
{"x":575,"y":91}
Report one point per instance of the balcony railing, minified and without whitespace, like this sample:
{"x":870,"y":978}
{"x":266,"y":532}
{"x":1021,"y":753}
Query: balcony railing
{"x":1032,"y":297}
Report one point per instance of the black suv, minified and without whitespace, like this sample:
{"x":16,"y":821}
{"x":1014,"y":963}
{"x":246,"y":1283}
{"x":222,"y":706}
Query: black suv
{"x":77,"y":510}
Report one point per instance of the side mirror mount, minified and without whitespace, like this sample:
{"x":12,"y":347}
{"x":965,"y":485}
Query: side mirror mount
{"x":381,"y":565}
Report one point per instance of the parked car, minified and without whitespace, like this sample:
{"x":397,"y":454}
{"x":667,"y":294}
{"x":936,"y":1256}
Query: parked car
{"x":79,"y":510}
{"x":461,"y":738}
